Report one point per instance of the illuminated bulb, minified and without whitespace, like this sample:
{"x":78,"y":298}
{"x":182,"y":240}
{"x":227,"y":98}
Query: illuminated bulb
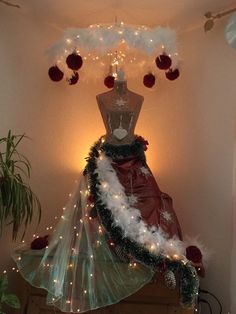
{"x":136,"y":33}
{"x":13,"y":268}
{"x":75,"y":206}
{"x":102,"y":140}
{"x":63,"y":217}
{"x":132,"y":217}
{"x":100,"y":158}
{"x":153,"y":247}
{"x":55,"y":217}
{"x":78,"y":310}
{"x":4,"y":271}
{"x":71,"y":265}
{"x":47,"y":228}
{"x":17,"y":270}
{"x":70,"y":195}
{"x":34,"y":235}
{"x":171,"y":244}
{"x":61,"y":237}
{"x":48,"y":265}
{"x":176,"y":256}
{"x":50,"y":227}
{"x":19,"y":258}
{"x":151,"y":40}
{"x":46,"y":247}
{"x":68,"y":301}
{"x":85,"y":291}
{"x":74,"y":227}
{"x":162,"y":46}
{"x":91,"y":256}
{"x":55,"y":280}
{"x":77,"y":234}
{"x":68,"y":40}
{"x":37,"y":237}
{"x":71,"y":283}
{"x":81,"y":221}
{"x":23,"y":241}
{"x":120,"y":32}
{"x":53,"y":299}
{"x":90,"y":218}
{"x":91,"y":275}
{"x":135,"y":264}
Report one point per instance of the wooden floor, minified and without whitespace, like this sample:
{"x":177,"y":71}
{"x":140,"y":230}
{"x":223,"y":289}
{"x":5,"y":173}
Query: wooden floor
{"x":154,"y":298}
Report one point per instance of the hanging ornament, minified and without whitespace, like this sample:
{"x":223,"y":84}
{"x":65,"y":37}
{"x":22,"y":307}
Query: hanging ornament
{"x":55,"y":74}
{"x":172,"y":74}
{"x":109,"y":81}
{"x":170,"y":280}
{"x":194,"y":254}
{"x":163,"y":62}
{"x":39,"y":243}
{"x":74,"y":78}
{"x":149,"y":80}
{"x":74,"y":61}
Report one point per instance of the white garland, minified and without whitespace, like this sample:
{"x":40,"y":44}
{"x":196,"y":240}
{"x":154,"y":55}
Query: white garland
{"x":131,"y":47}
{"x":128,"y":218}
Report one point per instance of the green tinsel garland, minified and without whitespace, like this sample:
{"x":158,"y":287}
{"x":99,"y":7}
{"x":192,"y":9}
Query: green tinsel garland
{"x":189,"y":282}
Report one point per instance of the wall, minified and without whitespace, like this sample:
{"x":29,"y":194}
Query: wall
{"x":189,"y":124}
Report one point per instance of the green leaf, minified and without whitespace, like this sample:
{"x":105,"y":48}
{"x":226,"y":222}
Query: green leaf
{"x":12,"y":300}
{"x":208,"y":25}
{"x":3,"y":283}
{"x":208,"y":15}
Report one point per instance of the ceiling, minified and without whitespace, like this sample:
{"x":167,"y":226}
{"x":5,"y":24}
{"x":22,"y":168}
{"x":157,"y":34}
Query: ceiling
{"x":181,"y":15}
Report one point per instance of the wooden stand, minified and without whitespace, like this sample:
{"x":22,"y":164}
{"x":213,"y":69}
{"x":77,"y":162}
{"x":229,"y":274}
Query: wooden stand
{"x":151,"y":299}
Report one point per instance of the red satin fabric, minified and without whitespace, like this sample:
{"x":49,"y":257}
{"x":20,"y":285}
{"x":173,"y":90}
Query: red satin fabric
{"x":155,"y":206}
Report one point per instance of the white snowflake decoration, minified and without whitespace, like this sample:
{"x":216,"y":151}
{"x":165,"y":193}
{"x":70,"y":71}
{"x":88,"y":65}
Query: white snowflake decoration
{"x":121,"y":102}
{"x":132,"y":199}
{"x":166,"y":215}
{"x":145,"y":171}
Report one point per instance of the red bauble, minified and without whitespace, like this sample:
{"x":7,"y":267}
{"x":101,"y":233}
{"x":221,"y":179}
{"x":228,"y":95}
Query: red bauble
{"x":149,"y":80}
{"x":55,"y":74}
{"x":109,"y":81}
{"x":172,"y":75}
{"x":194,"y":254}
{"x":163,"y":62}
{"x":74,"y":78}
{"x":39,"y":243}
{"x":74,"y":61}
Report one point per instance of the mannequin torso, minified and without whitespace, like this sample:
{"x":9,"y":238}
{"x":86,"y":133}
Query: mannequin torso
{"x":120,"y":109}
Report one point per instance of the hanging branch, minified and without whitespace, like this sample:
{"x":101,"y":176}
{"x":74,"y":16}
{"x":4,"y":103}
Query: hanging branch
{"x":10,"y":4}
{"x":212,"y":17}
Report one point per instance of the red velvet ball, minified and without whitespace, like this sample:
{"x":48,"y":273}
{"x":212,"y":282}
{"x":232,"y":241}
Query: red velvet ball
{"x":163,"y":62}
{"x":109,"y":81}
{"x":194,"y":254}
{"x":149,"y":80}
{"x":172,"y":75}
{"x":74,"y":78}
{"x":39,"y":243}
{"x":74,"y":61}
{"x":55,"y":74}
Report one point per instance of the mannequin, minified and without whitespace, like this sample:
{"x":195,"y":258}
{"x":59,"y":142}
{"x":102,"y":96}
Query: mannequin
{"x":120,"y":110}
{"x":83,"y":267}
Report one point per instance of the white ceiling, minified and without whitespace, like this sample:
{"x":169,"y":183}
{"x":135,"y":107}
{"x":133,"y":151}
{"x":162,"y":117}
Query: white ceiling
{"x":179,"y":14}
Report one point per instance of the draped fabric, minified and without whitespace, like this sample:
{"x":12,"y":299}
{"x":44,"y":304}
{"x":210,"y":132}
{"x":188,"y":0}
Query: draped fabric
{"x":79,"y":269}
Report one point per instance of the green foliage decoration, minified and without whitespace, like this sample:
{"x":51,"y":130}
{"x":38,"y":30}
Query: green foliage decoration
{"x":17,"y":200}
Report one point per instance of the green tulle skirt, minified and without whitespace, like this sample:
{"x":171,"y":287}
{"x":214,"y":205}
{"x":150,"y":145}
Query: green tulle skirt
{"x":78,"y":268}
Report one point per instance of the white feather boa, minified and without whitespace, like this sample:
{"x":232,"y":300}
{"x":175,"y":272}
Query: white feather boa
{"x":128,"y":218}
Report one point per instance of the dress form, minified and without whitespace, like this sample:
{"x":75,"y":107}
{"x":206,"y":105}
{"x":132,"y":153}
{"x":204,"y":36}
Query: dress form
{"x":120,"y":109}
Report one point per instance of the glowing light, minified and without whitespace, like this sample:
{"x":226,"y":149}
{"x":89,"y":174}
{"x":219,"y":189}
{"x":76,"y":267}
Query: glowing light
{"x":4,"y":271}
{"x":68,"y":301}
{"x":85,"y":291}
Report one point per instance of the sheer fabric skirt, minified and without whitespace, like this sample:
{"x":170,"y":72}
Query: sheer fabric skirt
{"x":78,"y":269}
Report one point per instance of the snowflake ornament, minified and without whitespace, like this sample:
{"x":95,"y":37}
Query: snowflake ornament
{"x":121,"y":102}
{"x":166,"y":215}
{"x":132,"y":199}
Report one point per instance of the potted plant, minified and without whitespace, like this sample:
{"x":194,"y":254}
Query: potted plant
{"x":17,"y":200}
{"x":7,"y":298}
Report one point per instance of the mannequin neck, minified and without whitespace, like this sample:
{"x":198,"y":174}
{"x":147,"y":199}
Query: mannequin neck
{"x":120,"y":87}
